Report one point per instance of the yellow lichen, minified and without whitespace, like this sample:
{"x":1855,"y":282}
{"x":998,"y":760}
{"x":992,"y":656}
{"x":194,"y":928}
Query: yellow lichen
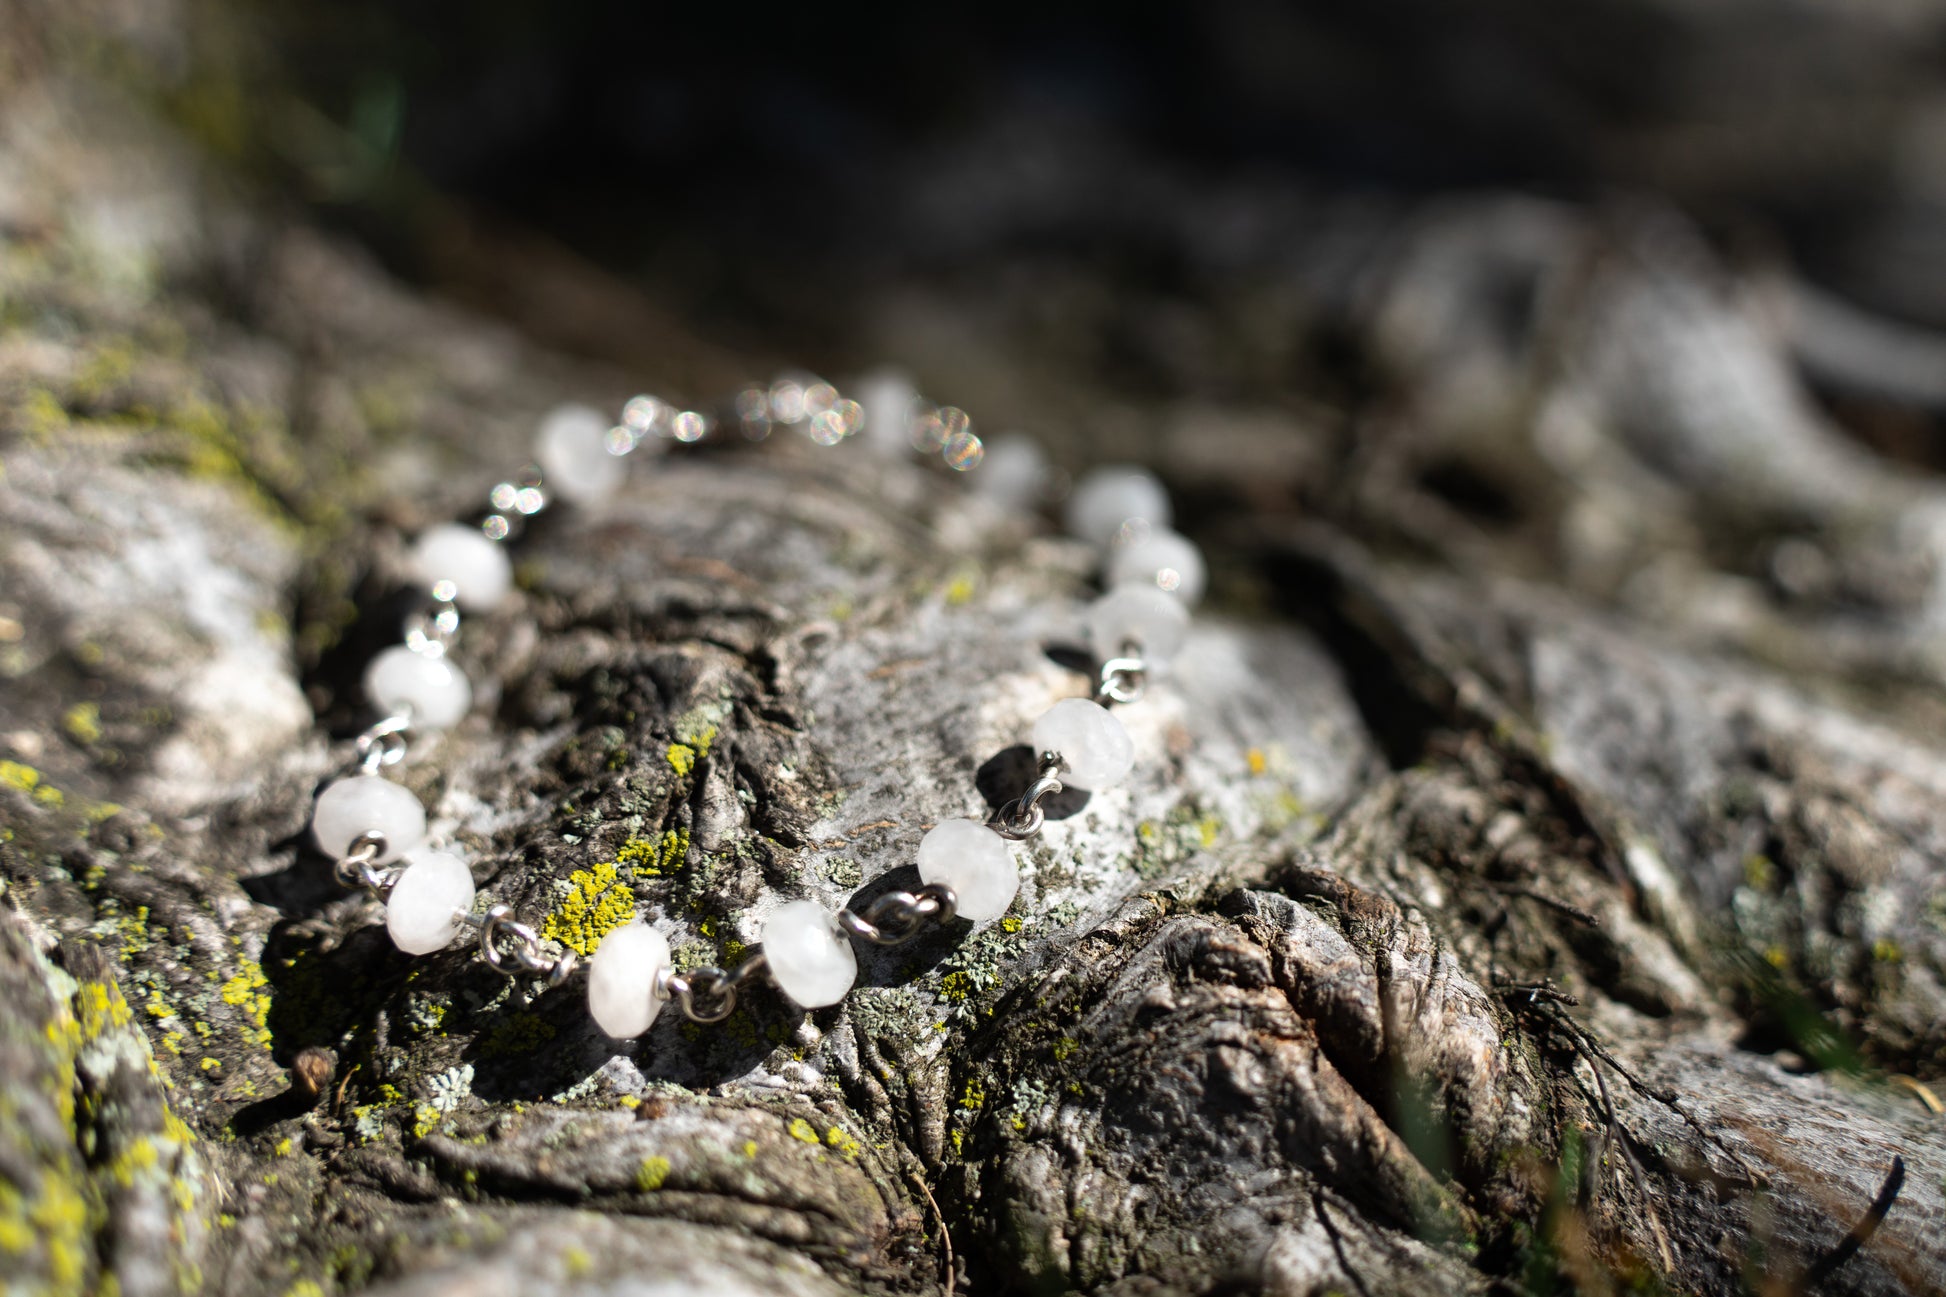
{"x":802,"y":1129}
{"x":597,"y":904}
{"x":246,"y":991}
{"x":697,"y":733}
{"x":647,"y":858}
{"x":682,"y":758}
{"x":101,"y":1007}
{"x":650,"y":1175}
{"x":83,"y":722}
{"x":844,"y":1143}
{"x":15,"y":775}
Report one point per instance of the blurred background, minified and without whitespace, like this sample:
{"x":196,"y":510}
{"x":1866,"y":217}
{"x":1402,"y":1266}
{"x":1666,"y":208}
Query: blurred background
{"x":1643,"y":299}
{"x":775,"y":177}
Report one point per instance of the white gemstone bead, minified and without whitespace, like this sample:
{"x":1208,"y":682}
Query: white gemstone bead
{"x":1108,"y":497}
{"x":1097,"y":750}
{"x":462,"y":555}
{"x":1014,"y":472}
{"x":888,"y":398}
{"x":351,"y":808}
{"x":975,"y":862}
{"x":431,"y":690}
{"x":1168,"y":560}
{"x":423,"y":911}
{"x":809,"y":957}
{"x":1153,"y":622}
{"x":622,"y":995}
{"x":572,"y":449}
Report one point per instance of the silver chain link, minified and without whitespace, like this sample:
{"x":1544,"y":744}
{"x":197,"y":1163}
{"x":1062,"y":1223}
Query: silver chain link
{"x":431,"y":631}
{"x":709,"y":983}
{"x":1123,"y":680}
{"x":897,"y":917}
{"x":384,"y":743}
{"x":1023,"y":817}
{"x":525,"y":956}
{"x":359,"y":868}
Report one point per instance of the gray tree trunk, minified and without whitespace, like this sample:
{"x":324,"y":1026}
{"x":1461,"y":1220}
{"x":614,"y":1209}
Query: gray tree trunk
{"x":1509,"y":898}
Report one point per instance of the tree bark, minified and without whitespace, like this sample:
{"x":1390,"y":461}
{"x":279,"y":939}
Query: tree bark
{"x":1532,"y":876}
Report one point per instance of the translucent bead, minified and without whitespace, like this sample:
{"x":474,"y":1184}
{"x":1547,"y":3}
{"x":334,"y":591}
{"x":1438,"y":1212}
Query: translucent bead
{"x":975,"y":862}
{"x":1163,"y":558}
{"x":351,"y":808}
{"x":1014,"y":472}
{"x":423,"y":911}
{"x":477,"y":567}
{"x":622,"y":995}
{"x":1097,"y":750}
{"x":1108,"y":497}
{"x":572,"y":449}
{"x":809,"y":957}
{"x":888,"y":398}
{"x":1140,"y":617}
{"x":431,"y":690}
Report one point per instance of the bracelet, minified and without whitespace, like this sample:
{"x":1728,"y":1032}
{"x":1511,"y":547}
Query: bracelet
{"x":375,"y":829}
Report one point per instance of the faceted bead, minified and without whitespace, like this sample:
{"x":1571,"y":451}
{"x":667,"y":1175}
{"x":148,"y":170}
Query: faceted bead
{"x":423,"y":911}
{"x":1168,"y":560}
{"x":431,"y":690}
{"x":1108,"y":497}
{"x":888,"y":398}
{"x":975,"y":862}
{"x":351,"y":808}
{"x":1014,"y":472}
{"x":478,"y":567}
{"x":809,"y":957}
{"x":622,"y":994}
{"x":1140,"y":617}
{"x":1096,"y":749}
{"x":572,"y":449}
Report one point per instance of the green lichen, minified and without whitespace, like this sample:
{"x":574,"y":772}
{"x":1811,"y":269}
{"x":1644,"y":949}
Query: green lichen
{"x":520,"y":1033}
{"x":1161,"y":845}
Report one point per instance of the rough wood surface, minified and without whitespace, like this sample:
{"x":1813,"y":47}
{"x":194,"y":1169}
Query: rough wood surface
{"x":1535,"y":873}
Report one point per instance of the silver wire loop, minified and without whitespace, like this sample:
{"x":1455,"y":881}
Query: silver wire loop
{"x":360,"y":868}
{"x":431,"y":631}
{"x":1023,"y":817}
{"x":706,"y":984}
{"x":897,"y":917}
{"x":1122,"y":680}
{"x":524,"y":957}
{"x":384,"y":743}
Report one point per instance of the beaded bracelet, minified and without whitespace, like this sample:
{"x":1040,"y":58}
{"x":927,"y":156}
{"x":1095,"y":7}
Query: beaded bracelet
{"x":375,"y":828}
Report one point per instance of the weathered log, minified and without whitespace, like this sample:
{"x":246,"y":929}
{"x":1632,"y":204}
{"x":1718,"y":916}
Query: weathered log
{"x":1482,"y":914}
